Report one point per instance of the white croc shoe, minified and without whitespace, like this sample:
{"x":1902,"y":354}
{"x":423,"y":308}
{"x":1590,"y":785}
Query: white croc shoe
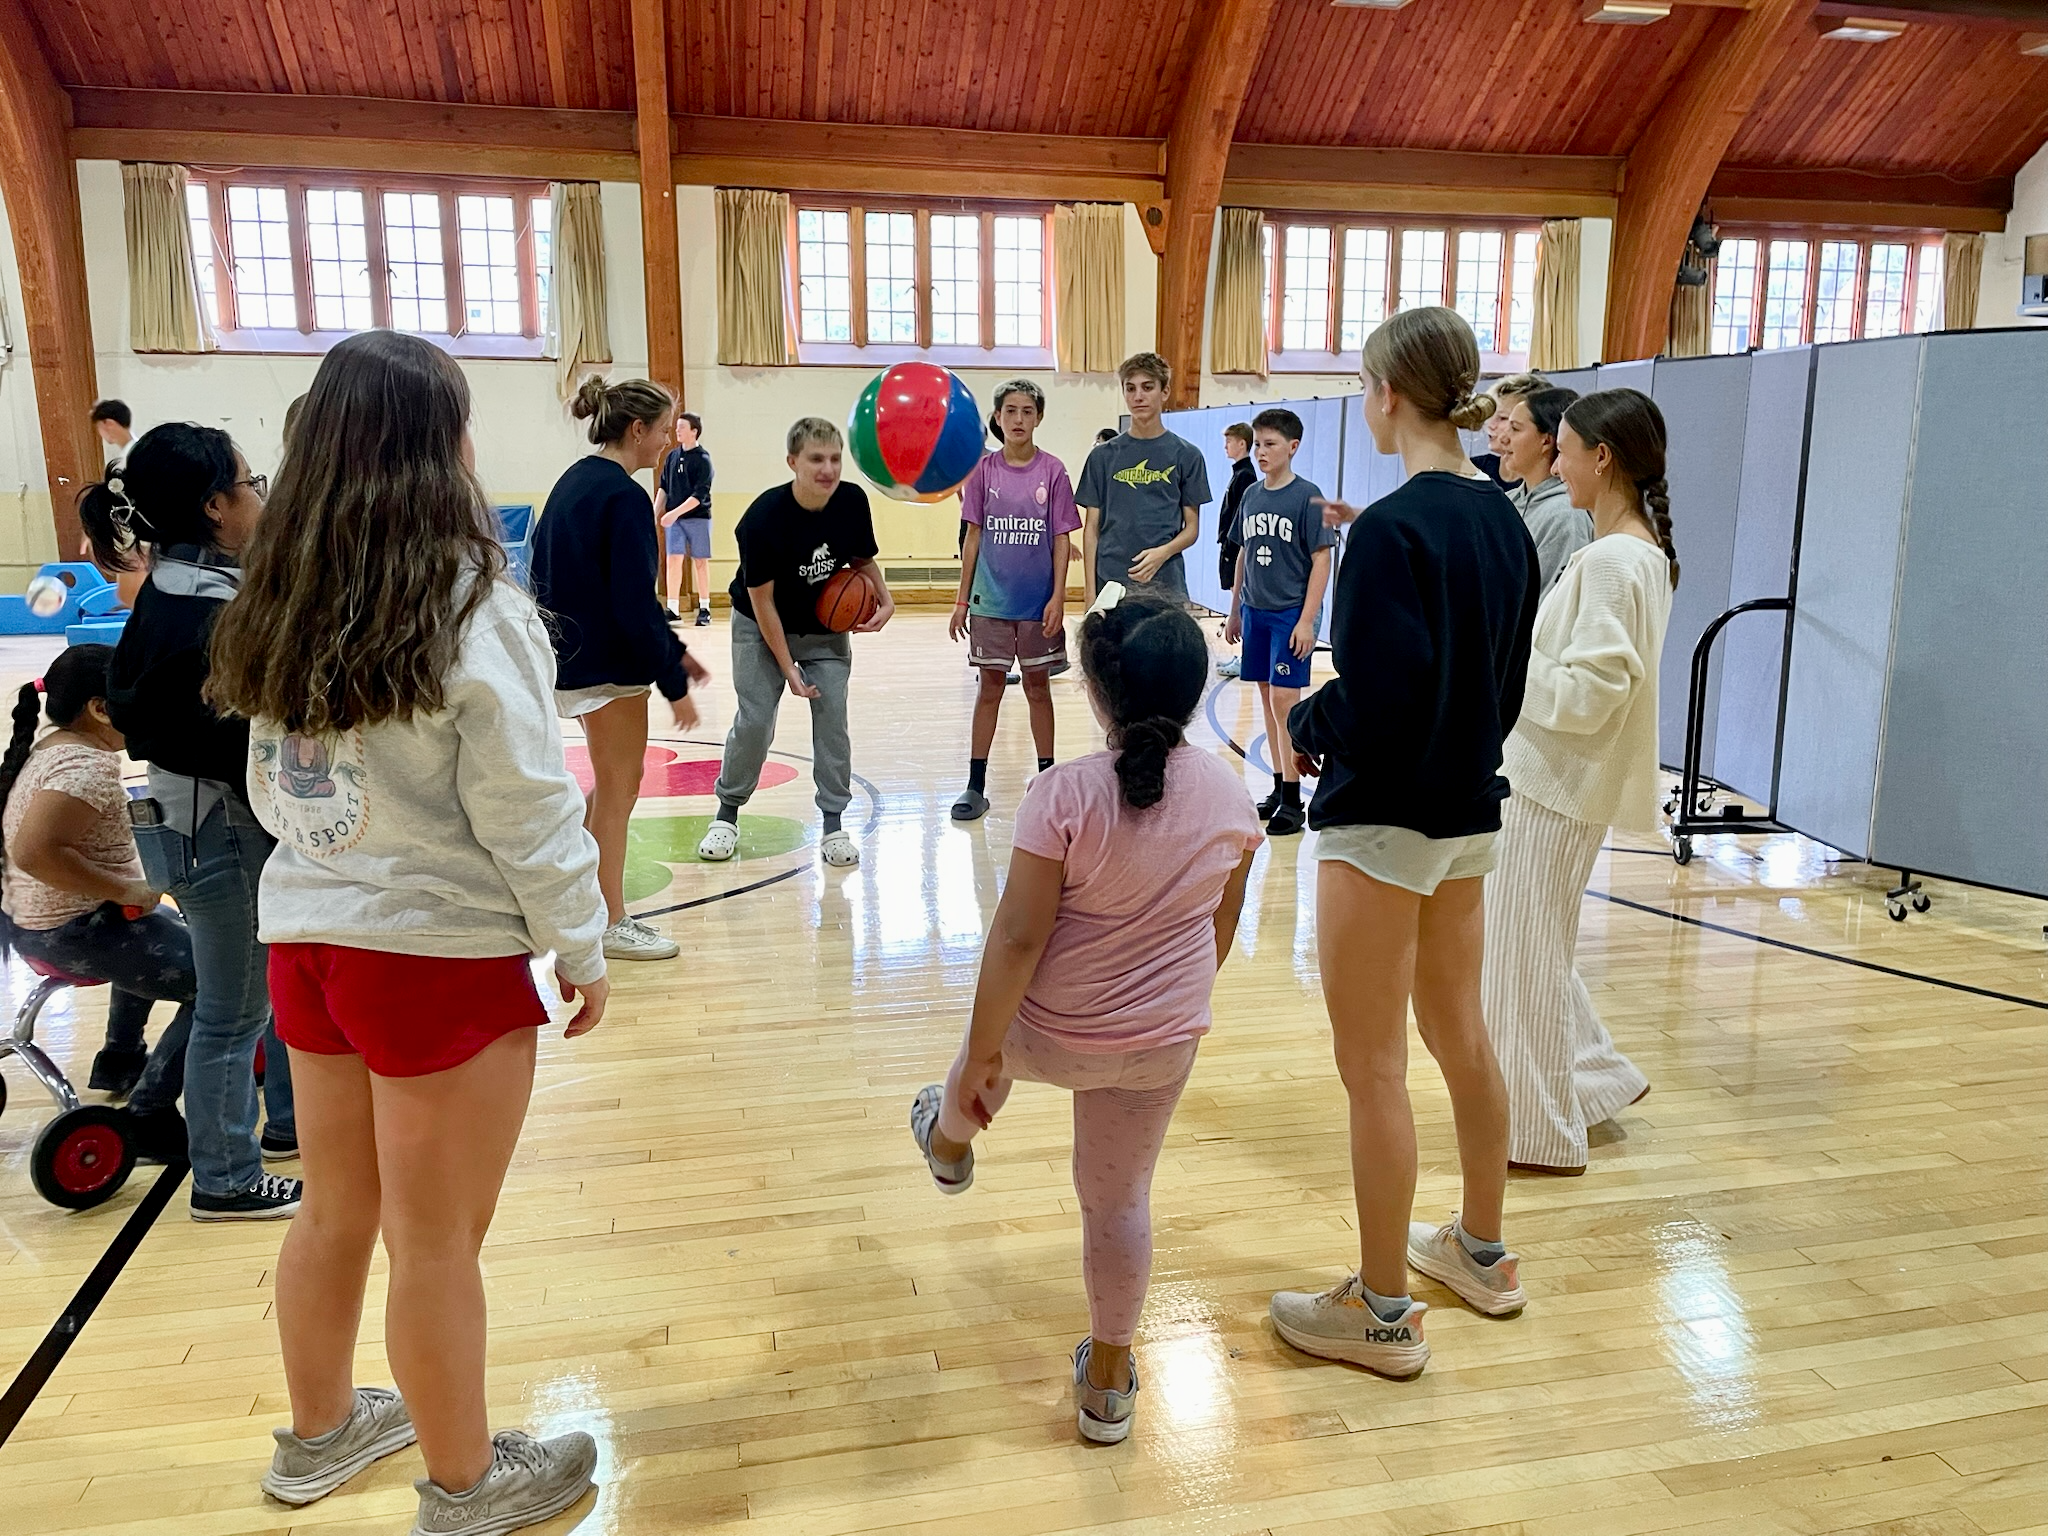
{"x":838,"y":851}
{"x":721,"y":842}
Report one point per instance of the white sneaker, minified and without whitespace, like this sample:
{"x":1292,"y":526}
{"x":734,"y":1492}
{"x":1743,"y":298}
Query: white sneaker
{"x":721,"y":842}
{"x":1102,"y":1414}
{"x":951,"y":1178}
{"x":529,"y":1481}
{"x":1340,"y":1324}
{"x":1495,"y":1289}
{"x":629,"y":940}
{"x":304,"y":1470}
{"x":837,"y":850}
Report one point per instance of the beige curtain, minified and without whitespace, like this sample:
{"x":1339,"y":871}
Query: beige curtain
{"x":1554,"y":333}
{"x":753,"y":277}
{"x":164,"y":311}
{"x":579,"y":329}
{"x":1692,"y":322}
{"x":1962,"y":265}
{"x":1237,"y":329}
{"x":1088,"y":255}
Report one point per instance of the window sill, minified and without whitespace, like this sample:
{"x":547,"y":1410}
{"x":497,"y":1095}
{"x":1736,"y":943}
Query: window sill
{"x":1490,"y":363}
{"x":839,"y":354}
{"x":253,"y":342}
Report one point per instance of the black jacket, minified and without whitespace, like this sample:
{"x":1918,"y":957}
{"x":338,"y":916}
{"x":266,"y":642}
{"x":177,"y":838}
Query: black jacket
{"x":160,"y":666}
{"x":1436,"y":598}
{"x":595,"y":569}
{"x":1242,"y":474}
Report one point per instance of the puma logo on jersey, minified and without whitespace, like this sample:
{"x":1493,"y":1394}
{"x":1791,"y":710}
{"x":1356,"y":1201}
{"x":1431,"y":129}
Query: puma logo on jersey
{"x":1142,"y":473}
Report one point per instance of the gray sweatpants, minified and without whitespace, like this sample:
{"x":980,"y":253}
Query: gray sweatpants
{"x":757,"y":686}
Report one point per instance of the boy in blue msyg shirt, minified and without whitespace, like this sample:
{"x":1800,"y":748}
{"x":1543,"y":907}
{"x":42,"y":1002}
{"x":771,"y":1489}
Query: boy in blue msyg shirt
{"x":1276,"y":602}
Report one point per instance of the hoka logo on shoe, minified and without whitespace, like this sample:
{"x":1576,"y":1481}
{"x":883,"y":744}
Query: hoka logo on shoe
{"x":1399,"y":1333}
{"x":1142,"y":473}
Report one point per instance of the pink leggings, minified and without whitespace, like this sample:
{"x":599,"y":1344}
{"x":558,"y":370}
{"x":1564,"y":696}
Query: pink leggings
{"x":1122,"y":1105}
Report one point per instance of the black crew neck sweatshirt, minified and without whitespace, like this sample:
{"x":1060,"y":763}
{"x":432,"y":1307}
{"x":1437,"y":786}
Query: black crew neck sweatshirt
{"x":1436,"y":598}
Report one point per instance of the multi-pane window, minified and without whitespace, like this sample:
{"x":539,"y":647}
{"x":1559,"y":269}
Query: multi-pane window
{"x":260,"y":236}
{"x":1020,"y":281}
{"x":337,"y":241}
{"x":1305,"y":290}
{"x":1329,"y":286}
{"x":487,"y":229}
{"x":1783,"y":289}
{"x":1478,"y":292}
{"x":1785,"y":293}
{"x":956,"y":280}
{"x":906,"y":277}
{"x":320,"y":255}
{"x":199,"y":214}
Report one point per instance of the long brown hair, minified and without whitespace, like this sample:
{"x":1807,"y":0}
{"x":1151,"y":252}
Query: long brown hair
{"x":353,"y":597}
{"x":1632,"y":427}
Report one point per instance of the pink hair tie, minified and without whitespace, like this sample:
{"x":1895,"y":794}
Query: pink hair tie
{"x":40,"y":687}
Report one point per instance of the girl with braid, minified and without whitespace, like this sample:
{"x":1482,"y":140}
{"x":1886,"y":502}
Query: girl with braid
{"x":1583,"y":757}
{"x":1127,"y":874}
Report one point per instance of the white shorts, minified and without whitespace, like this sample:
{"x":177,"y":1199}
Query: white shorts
{"x":575,"y":703}
{"x":1403,"y":857}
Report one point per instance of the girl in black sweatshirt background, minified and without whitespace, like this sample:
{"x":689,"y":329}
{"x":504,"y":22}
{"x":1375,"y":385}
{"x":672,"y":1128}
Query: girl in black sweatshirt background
{"x":1436,"y":598}
{"x":596,"y":571}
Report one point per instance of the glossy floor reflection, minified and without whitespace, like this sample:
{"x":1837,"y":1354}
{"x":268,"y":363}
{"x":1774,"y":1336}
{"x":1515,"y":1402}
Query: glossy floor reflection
{"x":1802,"y":1290}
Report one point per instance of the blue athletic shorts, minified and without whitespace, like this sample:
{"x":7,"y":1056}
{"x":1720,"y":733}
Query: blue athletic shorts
{"x":690,"y":536}
{"x":1268,"y":658}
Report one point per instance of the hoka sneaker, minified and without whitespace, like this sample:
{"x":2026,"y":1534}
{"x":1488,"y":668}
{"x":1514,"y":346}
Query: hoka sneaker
{"x":304,"y":1470}
{"x":1103,"y":1414}
{"x":1340,"y":1325}
{"x":529,"y":1481}
{"x":951,"y":1178}
{"x":1495,"y":1289}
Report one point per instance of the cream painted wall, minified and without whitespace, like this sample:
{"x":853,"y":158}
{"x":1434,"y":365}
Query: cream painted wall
{"x":26,"y":538}
{"x":1998,"y":298}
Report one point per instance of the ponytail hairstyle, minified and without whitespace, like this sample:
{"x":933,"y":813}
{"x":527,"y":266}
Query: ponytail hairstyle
{"x":74,"y":680}
{"x":1023,"y":387}
{"x":1430,"y":358}
{"x":1147,"y":661}
{"x":158,"y":494}
{"x":1628,"y":423}
{"x":613,"y":408}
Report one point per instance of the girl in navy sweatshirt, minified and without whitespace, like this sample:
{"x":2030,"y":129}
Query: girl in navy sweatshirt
{"x":595,"y":573}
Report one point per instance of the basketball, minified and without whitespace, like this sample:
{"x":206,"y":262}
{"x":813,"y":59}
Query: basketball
{"x":846,"y":600}
{"x":916,"y":432}
{"x":46,"y":596}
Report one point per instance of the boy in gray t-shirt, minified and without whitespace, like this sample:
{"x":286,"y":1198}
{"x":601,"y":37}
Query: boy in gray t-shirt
{"x":1141,"y":493}
{"x":1283,"y":569}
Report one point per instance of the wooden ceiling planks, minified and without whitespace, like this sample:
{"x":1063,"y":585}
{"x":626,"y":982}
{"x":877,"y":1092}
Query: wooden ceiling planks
{"x":1958,"y":100}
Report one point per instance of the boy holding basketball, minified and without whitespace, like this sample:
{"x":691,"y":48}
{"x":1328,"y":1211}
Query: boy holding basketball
{"x":1141,"y":493}
{"x":793,"y":540}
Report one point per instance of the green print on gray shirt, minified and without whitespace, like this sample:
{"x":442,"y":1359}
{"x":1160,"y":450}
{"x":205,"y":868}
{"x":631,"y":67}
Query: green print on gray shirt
{"x":1139,"y":484}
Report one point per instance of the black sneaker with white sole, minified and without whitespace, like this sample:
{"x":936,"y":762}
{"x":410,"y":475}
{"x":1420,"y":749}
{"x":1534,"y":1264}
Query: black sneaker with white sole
{"x":270,"y":1198}
{"x":279,"y":1146}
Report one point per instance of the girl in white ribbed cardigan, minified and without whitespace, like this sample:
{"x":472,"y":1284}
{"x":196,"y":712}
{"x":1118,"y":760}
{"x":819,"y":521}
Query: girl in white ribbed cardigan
{"x":1582,"y":757}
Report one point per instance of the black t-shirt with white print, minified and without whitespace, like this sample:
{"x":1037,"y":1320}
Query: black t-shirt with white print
{"x":798,"y":550}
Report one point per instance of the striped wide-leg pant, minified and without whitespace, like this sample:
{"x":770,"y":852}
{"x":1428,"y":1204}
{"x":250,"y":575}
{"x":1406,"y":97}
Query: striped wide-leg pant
{"x":1562,"y":1069}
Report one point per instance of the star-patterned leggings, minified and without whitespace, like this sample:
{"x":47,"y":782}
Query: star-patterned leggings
{"x":1122,"y":1106}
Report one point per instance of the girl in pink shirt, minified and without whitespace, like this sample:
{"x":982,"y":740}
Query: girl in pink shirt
{"x":1127,"y":874}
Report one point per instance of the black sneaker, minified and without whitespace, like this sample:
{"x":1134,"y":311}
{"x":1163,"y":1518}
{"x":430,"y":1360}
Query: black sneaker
{"x":1268,"y":806}
{"x":268,"y":1199}
{"x":1286,"y":821}
{"x":670,"y":614}
{"x":279,"y":1146}
{"x":703,"y":618}
{"x":158,"y":1136}
{"x":117,"y":1069}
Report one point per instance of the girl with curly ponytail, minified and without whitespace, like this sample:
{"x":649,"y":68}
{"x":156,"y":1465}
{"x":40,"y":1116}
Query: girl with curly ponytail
{"x":1582,"y":757}
{"x":75,"y":897}
{"x":1127,"y":874}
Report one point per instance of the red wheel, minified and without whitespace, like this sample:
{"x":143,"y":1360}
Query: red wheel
{"x":82,"y":1158}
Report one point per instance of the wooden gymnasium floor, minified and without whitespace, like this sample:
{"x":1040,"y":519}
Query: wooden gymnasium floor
{"x":1803,"y":1289}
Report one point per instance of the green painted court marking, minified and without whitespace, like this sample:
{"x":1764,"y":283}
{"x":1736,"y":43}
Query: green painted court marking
{"x":654,"y":844}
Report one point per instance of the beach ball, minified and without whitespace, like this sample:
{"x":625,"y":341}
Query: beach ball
{"x":916,"y":431}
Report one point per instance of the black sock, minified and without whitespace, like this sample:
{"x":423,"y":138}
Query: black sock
{"x":1044,"y":763}
{"x":729,"y":814}
{"x":977,"y":774}
{"x":1279,"y":784}
{"x":831,"y":820}
{"x":1290,"y":792}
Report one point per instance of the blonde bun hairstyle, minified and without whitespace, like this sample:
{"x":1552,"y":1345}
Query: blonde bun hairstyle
{"x":1430,"y":358}
{"x":611,"y":409}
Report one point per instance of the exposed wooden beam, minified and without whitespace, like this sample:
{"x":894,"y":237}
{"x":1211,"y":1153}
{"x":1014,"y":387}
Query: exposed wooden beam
{"x":40,"y":183}
{"x":1320,"y":178}
{"x":1674,"y":161}
{"x":2006,"y":14}
{"x":661,"y":259}
{"x":1859,"y":199}
{"x":1197,"y":152}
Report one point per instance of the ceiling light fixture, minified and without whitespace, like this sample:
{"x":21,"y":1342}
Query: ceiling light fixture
{"x":1625,"y":13}
{"x":1372,"y":5}
{"x":2034,"y":44}
{"x":1858,"y":29}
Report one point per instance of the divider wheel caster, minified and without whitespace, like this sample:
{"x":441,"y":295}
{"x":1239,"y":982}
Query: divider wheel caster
{"x":1681,"y":850}
{"x":1895,"y":910}
{"x":82,"y":1158}
{"x":3,"y":1081}
{"x":1922,"y":901}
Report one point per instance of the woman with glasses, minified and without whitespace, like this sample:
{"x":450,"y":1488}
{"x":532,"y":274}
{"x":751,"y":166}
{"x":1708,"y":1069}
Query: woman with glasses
{"x":186,"y":492}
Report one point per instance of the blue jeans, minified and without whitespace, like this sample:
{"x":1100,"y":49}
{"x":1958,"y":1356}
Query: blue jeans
{"x":213,"y":878}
